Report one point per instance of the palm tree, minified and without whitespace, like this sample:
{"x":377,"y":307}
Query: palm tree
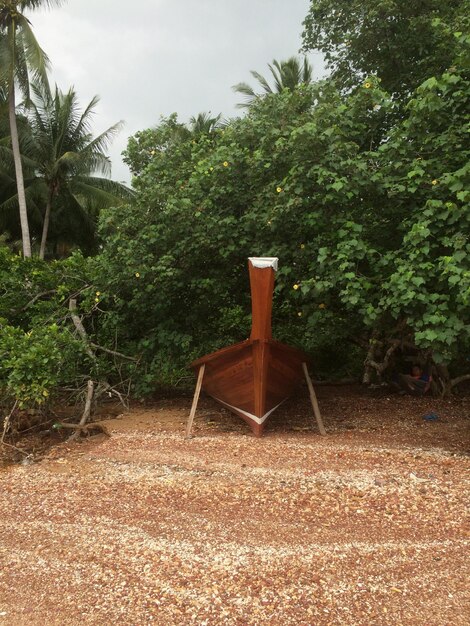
{"x":204,"y":124}
{"x":68,"y":157}
{"x":9,"y":222}
{"x":286,"y":74}
{"x":21,"y":58}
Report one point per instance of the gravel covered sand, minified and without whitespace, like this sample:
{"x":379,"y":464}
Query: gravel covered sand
{"x":363,"y":527}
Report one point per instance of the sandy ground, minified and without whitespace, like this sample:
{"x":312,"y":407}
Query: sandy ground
{"x":363,"y":527}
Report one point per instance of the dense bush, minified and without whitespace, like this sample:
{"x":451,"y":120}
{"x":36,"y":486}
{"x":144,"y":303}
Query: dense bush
{"x":41,"y":351}
{"x":362,"y":194}
{"x":368,"y":215}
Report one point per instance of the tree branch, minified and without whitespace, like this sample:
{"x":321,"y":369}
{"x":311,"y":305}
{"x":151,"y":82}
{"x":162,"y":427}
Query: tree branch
{"x":77,"y":322}
{"x":113,"y":352}
{"x":6,"y":423}
{"x":83,"y":334}
{"x":460,"y":379}
{"x":370,"y":361}
{"x":86,"y":410}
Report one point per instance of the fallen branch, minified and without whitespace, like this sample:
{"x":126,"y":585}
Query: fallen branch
{"x":86,"y":410}
{"x":37,"y":297}
{"x":77,"y":322}
{"x":82,"y":429}
{"x":106,"y":388}
{"x":334,"y":383}
{"x":460,"y":379}
{"x":113,"y":352}
{"x":6,"y":423}
{"x":9,"y":445}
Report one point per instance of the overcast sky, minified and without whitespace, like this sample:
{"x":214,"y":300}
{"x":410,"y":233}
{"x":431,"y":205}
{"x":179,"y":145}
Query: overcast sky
{"x":152,"y":57}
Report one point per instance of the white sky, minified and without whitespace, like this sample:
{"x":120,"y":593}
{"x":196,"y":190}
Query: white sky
{"x":152,"y":57}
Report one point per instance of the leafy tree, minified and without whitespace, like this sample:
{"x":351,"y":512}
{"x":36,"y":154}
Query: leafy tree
{"x":21,"y":57}
{"x":38,"y":352}
{"x":145,"y":144}
{"x":404,"y":42}
{"x":203,"y":206}
{"x":66,"y":158}
{"x":286,"y":74}
{"x":41,"y":351}
{"x":368,"y":211}
{"x":353,"y":205}
{"x":402,"y":261}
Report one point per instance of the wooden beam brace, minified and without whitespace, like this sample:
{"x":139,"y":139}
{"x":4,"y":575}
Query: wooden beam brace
{"x":189,"y":425}
{"x":313,"y":400}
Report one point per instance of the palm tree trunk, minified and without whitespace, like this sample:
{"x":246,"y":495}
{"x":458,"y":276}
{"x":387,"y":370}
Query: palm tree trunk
{"x":45,"y":226}
{"x":15,"y":144}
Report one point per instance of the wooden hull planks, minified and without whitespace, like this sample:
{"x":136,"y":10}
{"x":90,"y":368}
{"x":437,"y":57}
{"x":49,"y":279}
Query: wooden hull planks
{"x":254,"y":377}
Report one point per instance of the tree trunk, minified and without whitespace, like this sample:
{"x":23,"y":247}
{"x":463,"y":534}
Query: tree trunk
{"x":15,"y":144}
{"x":444,"y":379}
{"x":45,"y":226}
{"x":368,"y":369}
{"x":372,"y":365}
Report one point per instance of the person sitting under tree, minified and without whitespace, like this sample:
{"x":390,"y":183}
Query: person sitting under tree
{"x":417,"y":383}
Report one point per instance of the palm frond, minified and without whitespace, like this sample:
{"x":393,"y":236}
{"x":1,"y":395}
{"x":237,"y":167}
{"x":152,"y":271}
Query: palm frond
{"x":83,"y":125}
{"x":246,"y":90}
{"x":101,"y":192}
{"x":34,"y":56}
{"x":262,"y":81}
{"x":204,"y":123}
{"x":277,"y":73}
{"x":287,"y":74}
{"x":32,"y":5}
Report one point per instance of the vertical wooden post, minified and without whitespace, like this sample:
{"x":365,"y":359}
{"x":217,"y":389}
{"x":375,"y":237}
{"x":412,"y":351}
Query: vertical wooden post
{"x":313,"y":400}
{"x":189,"y":425}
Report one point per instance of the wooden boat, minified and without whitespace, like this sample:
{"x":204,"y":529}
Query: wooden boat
{"x":254,"y":377}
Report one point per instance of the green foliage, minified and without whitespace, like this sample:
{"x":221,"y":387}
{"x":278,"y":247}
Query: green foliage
{"x":143,"y":146}
{"x":367,"y":215}
{"x":267,"y":184}
{"x":40,"y":350}
{"x":37,"y":350}
{"x":414,"y":282}
{"x":404,"y":42}
{"x":34,"y":364}
{"x":21,"y":61}
{"x":358,"y":183}
{"x":67,"y":158}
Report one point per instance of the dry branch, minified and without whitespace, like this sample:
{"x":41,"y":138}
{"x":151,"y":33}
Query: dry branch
{"x":460,"y":379}
{"x":113,"y":352}
{"x":77,"y":322}
{"x":86,"y":410}
{"x":106,"y":388}
{"x":6,"y":423}
{"x":83,"y":429}
{"x":336,"y":383}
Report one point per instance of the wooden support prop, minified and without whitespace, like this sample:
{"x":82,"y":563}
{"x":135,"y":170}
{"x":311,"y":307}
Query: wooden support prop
{"x":189,"y":425}
{"x":313,"y":400}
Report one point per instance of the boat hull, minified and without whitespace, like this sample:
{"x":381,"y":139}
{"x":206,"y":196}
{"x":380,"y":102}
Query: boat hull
{"x":252,"y":378}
